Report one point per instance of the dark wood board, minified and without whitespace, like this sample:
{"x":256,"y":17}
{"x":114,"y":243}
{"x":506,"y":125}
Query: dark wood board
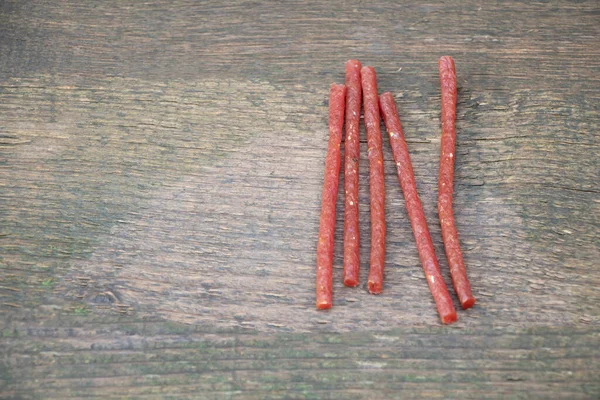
{"x":161,"y":168}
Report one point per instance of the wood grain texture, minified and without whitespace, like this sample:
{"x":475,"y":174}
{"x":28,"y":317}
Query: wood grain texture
{"x":161,"y":166}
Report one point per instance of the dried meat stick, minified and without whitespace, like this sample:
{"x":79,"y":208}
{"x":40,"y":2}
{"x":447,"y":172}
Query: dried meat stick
{"x":351,"y":157}
{"x":414,"y":208}
{"x":376,"y":180}
{"x":337,"y":94}
{"x":456,"y":263}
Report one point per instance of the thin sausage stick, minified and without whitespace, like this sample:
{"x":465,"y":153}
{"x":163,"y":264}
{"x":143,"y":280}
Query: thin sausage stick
{"x":414,"y":208}
{"x":337,"y":95}
{"x":376,"y":178}
{"x":351,"y":157}
{"x":456,"y":263}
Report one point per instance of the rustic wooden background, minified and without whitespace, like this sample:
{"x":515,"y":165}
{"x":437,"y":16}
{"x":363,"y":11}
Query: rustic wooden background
{"x":161,"y":167}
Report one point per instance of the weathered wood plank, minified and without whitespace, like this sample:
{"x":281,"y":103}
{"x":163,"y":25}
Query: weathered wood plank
{"x":161,"y":171}
{"x":67,"y":359}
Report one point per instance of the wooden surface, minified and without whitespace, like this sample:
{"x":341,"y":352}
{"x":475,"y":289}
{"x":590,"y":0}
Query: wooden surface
{"x":161,"y":167}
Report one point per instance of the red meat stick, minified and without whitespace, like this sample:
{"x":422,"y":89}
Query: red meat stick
{"x":376,"y":181}
{"x":415,"y":212}
{"x":458,"y":270}
{"x":337,"y":95}
{"x":351,"y":157}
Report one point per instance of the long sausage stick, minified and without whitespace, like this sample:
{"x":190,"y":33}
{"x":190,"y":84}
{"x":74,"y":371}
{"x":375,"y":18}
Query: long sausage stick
{"x":456,"y":263}
{"x":376,"y":178}
{"x":414,"y":208}
{"x":351,"y":157}
{"x":337,"y":95}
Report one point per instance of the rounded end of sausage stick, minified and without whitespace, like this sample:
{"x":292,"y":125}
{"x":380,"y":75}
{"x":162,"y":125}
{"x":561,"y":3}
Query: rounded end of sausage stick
{"x":446,"y":60}
{"x":449,"y":318}
{"x":375,"y":287}
{"x":367,"y":70}
{"x":350,"y":281}
{"x":354,"y":64}
{"x":386,"y":96}
{"x":446,"y":65}
{"x":467,"y":302}
{"x":337,"y":87}
{"x":323,"y":305}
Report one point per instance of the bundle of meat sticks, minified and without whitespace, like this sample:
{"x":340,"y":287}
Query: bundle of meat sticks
{"x":345,"y":104}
